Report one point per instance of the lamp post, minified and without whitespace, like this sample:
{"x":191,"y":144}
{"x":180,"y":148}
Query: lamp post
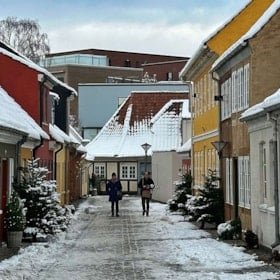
{"x":146,"y":147}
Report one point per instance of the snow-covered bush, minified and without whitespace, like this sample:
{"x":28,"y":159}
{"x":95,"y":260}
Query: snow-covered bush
{"x":230,"y":230}
{"x":183,"y":189}
{"x":208,"y":205}
{"x":44,"y":215}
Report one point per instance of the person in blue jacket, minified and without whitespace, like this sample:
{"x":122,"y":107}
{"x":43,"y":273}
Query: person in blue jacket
{"x":114,"y":190}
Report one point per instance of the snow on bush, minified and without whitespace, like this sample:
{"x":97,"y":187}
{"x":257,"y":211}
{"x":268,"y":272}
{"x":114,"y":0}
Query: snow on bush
{"x":44,"y":214}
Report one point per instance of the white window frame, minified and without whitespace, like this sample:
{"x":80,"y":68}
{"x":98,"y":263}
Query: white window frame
{"x":11,"y":166}
{"x":264,"y":170}
{"x":244,"y":182}
{"x":234,"y":91}
{"x":246,"y":85}
{"x":240,"y":89}
{"x":100,"y":170}
{"x":229,"y":181}
{"x":131,"y":170}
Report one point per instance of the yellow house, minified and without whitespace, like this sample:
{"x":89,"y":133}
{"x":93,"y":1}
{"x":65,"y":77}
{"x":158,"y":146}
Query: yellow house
{"x":204,"y":108}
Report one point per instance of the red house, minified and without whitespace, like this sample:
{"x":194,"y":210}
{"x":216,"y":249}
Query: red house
{"x":30,"y":86}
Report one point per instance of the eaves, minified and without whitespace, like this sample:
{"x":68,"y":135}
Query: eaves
{"x":203,"y":60}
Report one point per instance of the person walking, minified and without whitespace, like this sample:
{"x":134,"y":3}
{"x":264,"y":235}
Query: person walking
{"x":146,"y":184}
{"x":114,"y":190}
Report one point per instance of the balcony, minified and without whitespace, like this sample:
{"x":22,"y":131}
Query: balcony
{"x":75,"y":59}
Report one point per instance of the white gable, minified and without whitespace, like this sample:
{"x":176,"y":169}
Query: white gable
{"x":162,"y":132}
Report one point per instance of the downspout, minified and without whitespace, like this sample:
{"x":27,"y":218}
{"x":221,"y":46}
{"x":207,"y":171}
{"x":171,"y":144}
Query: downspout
{"x":42,"y":79}
{"x":274,"y":121}
{"x":191,"y":93}
{"x":37,"y":147}
{"x":220,"y":152}
{"x":220,"y":98}
{"x":42,"y":82}
{"x":55,"y":160}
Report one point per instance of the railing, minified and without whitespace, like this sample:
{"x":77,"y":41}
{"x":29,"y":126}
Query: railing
{"x":77,"y":59}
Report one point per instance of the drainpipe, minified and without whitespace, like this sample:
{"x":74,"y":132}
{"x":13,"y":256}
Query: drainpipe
{"x":55,"y":160}
{"x":219,"y":99}
{"x":274,"y":121}
{"x":37,"y":147}
{"x":42,"y":79}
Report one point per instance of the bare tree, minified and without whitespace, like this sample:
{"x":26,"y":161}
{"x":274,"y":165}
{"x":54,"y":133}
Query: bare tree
{"x":24,"y":35}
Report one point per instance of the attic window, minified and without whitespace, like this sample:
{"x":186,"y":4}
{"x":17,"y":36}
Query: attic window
{"x":169,"y":76}
{"x":127,"y":63}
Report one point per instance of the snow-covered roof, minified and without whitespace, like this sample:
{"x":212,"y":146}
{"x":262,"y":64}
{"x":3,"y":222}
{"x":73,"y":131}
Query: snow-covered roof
{"x":157,"y":122}
{"x":13,"y":116}
{"x":203,"y":44}
{"x":186,"y":147}
{"x":15,"y":55}
{"x":242,"y":42}
{"x":76,"y":138}
{"x":271,"y":102}
{"x":58,"y":135}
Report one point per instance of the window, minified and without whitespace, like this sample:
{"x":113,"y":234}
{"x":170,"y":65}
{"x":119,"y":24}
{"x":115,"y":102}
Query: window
{"x":99,"y":170}
{"x":127,"y":63}
{"x":234,"y":94}
{"x":263,"y":165}
{"x":246,"y":85}
{"x":244,"y":182}
{"x":169,"y":76}
{"x":229,"y":182}
{"x":128,"y":170}
{"x":240,"y":89}
{"x":90,"y":133}
{"x":226,"y":102}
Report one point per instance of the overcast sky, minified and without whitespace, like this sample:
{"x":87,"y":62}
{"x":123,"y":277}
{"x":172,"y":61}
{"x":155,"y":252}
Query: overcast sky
{"x":174,"y":27}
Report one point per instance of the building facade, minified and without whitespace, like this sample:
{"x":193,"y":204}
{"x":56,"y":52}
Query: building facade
{"x":244,"y":82}
{"x":205,"y":98}
{"x":103,"y":66}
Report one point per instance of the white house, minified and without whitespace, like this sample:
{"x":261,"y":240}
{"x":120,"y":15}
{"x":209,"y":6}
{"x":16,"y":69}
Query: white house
{"x":263,"y":121}
{"x":157,"y":118}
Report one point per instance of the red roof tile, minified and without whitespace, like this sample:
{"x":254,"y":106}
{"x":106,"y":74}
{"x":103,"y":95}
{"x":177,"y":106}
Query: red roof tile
{"x":146,"y":104}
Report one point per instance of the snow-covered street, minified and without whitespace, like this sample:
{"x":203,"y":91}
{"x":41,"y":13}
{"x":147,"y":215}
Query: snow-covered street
{"x":161,"y":246}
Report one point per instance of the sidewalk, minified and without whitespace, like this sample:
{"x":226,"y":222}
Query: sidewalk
{"x":6,"y":253}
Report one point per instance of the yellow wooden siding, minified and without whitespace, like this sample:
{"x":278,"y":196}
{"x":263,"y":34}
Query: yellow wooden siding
{"x":60,"y":175}
{"x":238,"y":26}
{"x":204,"y":158}
{"x":26,"y":154}
{"x":204,"y":108}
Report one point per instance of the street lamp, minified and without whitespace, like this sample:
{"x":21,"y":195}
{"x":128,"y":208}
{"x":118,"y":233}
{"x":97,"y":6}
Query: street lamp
{"x":146,"y":147}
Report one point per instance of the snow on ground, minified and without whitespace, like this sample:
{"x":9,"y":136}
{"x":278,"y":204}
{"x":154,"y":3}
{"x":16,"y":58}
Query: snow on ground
{"x":161,"y":246}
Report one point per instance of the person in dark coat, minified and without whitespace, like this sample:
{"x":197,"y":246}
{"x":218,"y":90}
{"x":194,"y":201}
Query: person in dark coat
{"x":146,"y":184}
{"x":114,"y":190}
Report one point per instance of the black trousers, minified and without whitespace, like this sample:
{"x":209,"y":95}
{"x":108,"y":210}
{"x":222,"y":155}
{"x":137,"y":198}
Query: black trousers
{"x":147,"y":202}
{"x":117,"y":206}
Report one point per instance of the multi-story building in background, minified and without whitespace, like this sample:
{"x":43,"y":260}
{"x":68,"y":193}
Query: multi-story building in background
{"x":103,"y":66}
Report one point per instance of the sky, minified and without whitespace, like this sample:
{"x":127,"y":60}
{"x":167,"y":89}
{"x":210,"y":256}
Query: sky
{"x":170,"y":27}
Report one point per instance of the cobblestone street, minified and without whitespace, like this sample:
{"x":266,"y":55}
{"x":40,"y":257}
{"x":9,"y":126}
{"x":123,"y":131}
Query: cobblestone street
{"x":98,"y":246}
